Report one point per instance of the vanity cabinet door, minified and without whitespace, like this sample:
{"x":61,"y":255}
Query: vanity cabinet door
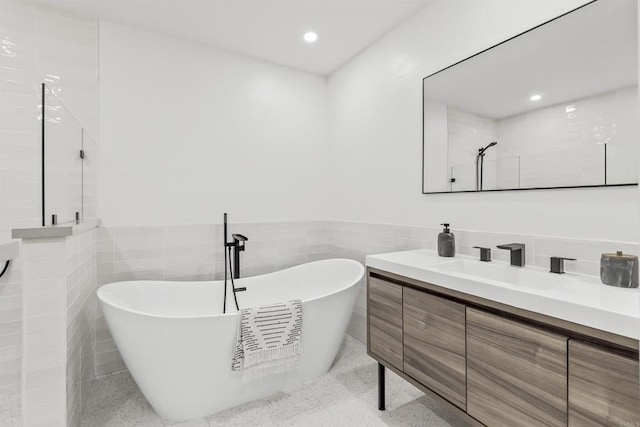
{"x":384,"y":307}
{"x":434,"y":344}
{"x":603,"y":387}
{"x":516,"y":373}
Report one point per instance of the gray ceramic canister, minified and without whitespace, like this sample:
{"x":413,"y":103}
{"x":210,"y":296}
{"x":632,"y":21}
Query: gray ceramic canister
{"x":619,"y":270}
{"x":446,"y":242}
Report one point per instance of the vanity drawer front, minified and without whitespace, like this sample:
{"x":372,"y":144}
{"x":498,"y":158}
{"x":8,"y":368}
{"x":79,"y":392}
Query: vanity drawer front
{"x":603,"y":387}
{"x":434,"y":344}
{"x":516,"y":373}
{"x":384,"y":305}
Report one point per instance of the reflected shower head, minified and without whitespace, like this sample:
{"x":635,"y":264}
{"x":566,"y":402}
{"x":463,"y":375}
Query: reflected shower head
{"x":482,"y":150}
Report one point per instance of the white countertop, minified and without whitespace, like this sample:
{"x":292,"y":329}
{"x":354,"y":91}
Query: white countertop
{"x":572,"y":297}
{"x":70,"y":228}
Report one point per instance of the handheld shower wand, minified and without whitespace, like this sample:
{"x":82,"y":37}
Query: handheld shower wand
{"x":482,"y":150}
{"x":480,"y":164}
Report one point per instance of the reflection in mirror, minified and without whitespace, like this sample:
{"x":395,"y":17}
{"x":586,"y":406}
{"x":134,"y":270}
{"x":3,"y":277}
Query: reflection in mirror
{"x":556,"y":106}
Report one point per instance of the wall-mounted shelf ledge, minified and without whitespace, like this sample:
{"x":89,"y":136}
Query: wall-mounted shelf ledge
{"x":9,"y":251}
{"x":55,"y":231}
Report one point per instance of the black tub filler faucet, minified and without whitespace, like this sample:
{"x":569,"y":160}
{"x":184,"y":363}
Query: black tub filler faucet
{"x":238,"y":245}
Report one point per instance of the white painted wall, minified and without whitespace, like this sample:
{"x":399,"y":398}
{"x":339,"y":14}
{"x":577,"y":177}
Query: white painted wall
{"x":189,"y":132}
{"x":375,"y":105}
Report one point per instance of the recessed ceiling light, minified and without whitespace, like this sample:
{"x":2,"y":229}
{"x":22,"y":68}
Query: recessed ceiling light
{"x":536,"y":97}
{"x":310,"y":37}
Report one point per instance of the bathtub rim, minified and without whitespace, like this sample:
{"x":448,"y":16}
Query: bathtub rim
{"x":100,"y":292}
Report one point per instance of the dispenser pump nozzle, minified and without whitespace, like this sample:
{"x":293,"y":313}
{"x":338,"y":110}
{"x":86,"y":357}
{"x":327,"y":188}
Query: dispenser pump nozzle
{"x":446,"y":227}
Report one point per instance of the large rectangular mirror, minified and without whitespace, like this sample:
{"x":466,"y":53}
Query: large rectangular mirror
{"x":556,"y":106}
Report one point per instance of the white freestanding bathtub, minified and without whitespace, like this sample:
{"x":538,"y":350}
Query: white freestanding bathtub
{"x":178,"y":345}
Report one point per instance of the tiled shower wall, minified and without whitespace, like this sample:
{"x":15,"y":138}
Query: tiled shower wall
{"x":38,"y":43}
{"x":194,"y":252}
{"x":44,"y":357}
{"x":81,"y":279}
{"x":11,"y":345}
{"x":59,"y":330}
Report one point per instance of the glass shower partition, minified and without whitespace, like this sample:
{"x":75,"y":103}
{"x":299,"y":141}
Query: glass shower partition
{"x":66,"y":147}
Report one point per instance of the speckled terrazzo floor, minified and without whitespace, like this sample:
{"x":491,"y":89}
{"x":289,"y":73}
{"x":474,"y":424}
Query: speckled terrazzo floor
{"x":10,"y":410}
{"x":345,"y":396}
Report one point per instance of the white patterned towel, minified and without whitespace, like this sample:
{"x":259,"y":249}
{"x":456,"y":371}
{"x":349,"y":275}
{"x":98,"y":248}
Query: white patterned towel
{"x":268,"y":339}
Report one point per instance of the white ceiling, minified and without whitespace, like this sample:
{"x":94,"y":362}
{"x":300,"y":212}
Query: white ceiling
{"x":267,"y":29}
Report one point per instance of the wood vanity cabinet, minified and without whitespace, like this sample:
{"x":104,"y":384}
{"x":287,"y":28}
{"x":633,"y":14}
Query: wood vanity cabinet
{"x":516,"y":373}
{"x":603,"y":387}
{"x":434,"y":344}
{"x":499,"y":365}
{"x":384,"y":308}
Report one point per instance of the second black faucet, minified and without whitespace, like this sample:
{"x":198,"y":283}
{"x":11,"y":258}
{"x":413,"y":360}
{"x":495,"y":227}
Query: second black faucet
{"x":517,"y":253}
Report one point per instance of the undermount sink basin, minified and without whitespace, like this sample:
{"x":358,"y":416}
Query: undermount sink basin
{"x":528,"y":277}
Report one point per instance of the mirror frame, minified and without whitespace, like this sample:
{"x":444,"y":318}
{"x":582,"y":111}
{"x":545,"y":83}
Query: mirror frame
{"x":506,"y":189}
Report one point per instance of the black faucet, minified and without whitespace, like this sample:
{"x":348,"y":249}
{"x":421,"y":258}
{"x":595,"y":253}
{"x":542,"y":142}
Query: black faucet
{"x":485,"y":253}
{"x":517,"y":253}
{"x":238,"y":246}
{"x":557,"y":264}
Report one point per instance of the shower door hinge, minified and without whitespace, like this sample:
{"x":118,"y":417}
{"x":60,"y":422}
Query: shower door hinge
{"x":82,"y":154}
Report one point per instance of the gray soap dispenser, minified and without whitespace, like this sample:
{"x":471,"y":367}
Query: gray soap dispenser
{"x":446,"y":242}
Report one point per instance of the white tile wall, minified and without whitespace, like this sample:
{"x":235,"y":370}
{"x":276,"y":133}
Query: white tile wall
{"x":81,"y":279}
{"x":38,"y":44}
{"x":466,"y":133}
{"x":45,"y":351}
{"x":11,"y":310}
{"x":356,"y":240}
{"x":558,"y":145}
{"x":194,"y":253}
{"x":59,"y":328}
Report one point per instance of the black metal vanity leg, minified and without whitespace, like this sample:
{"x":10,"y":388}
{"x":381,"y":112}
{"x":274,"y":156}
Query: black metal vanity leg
{"x":381,"y":392}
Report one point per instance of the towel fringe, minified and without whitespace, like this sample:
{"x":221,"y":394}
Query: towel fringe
{"x":270,"y":368}
{"x":255,"y":357}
